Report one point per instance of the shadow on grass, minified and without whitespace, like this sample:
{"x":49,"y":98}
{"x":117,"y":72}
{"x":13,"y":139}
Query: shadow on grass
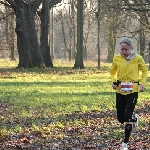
{"x":61,"y":70}
{"x":59,"y":90}
{"x":55,"y":83}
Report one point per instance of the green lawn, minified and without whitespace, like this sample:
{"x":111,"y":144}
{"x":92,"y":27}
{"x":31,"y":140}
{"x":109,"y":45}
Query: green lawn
{"x":51,"y":102}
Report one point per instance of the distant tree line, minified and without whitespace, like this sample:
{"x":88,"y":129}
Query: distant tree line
{"x":72,"y":29}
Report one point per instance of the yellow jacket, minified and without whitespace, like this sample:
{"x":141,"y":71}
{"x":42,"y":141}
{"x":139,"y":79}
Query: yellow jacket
{"x":128,"y":72}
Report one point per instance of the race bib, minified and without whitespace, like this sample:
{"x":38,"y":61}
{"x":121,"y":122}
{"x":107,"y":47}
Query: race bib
{"x":126,"y":86}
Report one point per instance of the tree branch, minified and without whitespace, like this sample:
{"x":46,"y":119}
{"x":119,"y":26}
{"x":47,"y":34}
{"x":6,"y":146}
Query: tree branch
{"x":7,"y":15}
{"x":12,"y":3}
{"x":54,"y":2}
{"x":6,"y":4}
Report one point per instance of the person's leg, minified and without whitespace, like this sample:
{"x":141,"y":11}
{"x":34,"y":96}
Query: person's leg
{"x":128,"y":129}
{"x":131,"y":102}
{"x":120,"y":106}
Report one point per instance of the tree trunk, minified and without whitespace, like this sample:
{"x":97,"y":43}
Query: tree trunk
{"x":142,"y":38}
{"x":148,"y":55}
{"x":73,"y":28}
{"x":45,"y":15}
{"x":36,"y":55}
{"x":85,"y":52}
{"x":67,"y":44}
{"x":98,"y":44}
{"x":111,"y":48}
{"x":23,"y":38}
{"x":10,"y":35}
{"x":111,"y":41}
{"x":27,"y":41}
{"x":86,"y":36}
{"x":12,"y":47}
{"x":79,"y":55}
{"x":98,"y":36}
{"x":51,"y":35}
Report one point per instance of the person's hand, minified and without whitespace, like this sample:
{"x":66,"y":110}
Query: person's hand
{"x":114,"y":86}
{"x":142,"y":88}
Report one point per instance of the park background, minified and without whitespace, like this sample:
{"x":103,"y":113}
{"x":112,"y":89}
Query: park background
{"x":55,"y":87}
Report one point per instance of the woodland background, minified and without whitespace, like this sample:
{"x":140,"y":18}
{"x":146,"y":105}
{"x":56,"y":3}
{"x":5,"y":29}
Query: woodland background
{"x":37,"y":32}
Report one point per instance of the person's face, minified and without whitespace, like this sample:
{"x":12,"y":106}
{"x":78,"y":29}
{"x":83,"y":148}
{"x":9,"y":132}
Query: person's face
{"x":125,"y":49}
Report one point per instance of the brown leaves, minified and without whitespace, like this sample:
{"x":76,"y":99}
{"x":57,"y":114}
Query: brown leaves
{"x":77,"y":131}
{"x":25,"y":140}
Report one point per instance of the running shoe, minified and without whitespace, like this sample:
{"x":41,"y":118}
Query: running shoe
{"x":124,"y":146}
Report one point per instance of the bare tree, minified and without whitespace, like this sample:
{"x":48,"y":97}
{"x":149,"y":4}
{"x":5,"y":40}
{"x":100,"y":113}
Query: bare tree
{"x":10,"y":32}
{"x":141,"y":8}
{"x":98,"y":32}
{"x":66,"y":16}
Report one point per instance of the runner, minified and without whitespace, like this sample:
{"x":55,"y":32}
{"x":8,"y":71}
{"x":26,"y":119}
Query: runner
{"x":125,"y":77}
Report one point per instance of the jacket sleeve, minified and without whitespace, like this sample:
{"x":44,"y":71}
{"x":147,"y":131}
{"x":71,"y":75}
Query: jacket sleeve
{"x":113,"y":72}
{"x":143,"y":68}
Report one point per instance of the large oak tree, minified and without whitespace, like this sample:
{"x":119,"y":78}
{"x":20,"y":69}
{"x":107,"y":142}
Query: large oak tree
{"x":30,"y":54}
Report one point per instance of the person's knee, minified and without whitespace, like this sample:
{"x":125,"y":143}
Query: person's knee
{"x":128,"y":118}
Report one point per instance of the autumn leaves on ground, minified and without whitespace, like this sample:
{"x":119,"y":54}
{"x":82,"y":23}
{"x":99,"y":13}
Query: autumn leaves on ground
{"x":65,"y":109}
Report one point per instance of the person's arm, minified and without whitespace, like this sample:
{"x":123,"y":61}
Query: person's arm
{"x":144,"y":70}
{"x":113,"y":73}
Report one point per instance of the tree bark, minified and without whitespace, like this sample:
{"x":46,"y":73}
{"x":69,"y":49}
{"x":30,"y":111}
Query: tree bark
{"x":45,"y":15}
{"x":79,"y":55}
{"x":27,"y":42}
{"x":36,"y":55}
{"x":23,"y":38}
{"x":112,"y":39}
{"x":98,"y":36}
{"x":51,"y":34}
{"x":9,"y":29}
{"x":142,"y":37}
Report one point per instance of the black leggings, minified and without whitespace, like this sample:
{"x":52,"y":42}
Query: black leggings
{"x":125,"y":105}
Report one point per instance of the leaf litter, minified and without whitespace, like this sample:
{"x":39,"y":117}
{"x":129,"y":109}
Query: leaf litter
{"x":75,"y":131}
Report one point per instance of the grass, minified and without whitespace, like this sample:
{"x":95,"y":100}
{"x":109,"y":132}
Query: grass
{"x":62,"y":89}
{"x":43,"y":99}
